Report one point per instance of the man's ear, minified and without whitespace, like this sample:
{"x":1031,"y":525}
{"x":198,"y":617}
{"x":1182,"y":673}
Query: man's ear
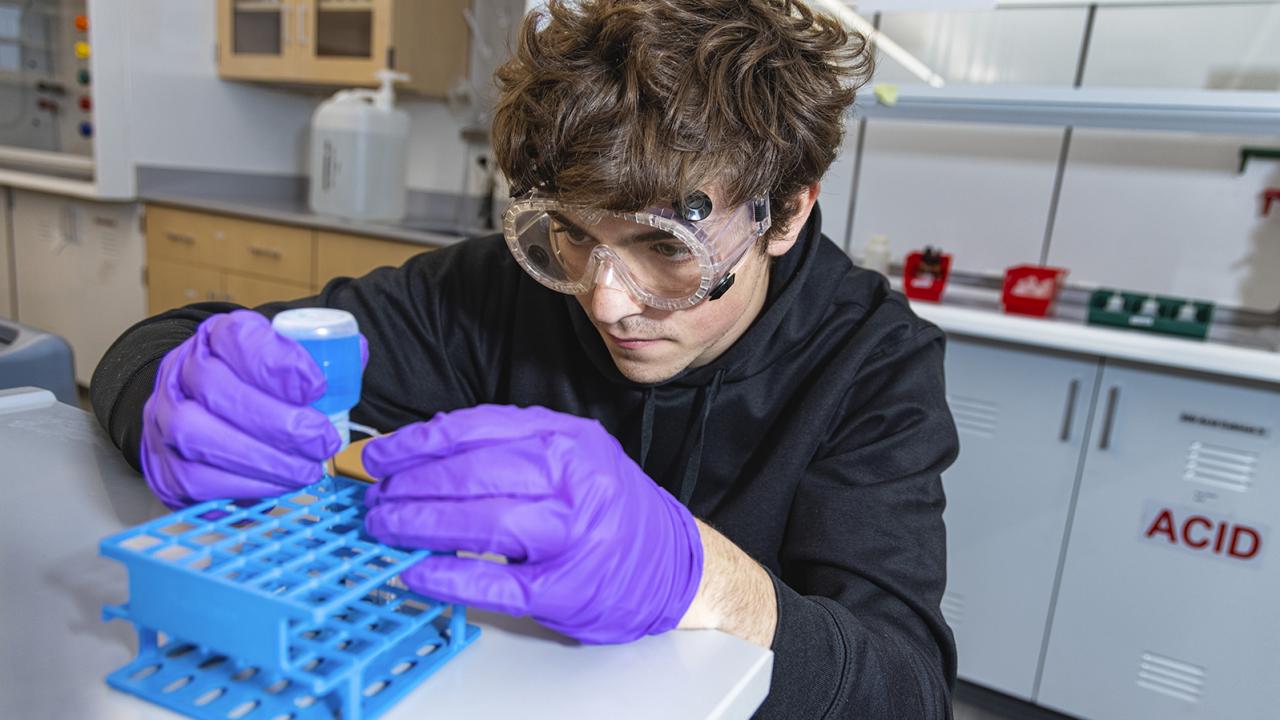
{"x":806,"y":198}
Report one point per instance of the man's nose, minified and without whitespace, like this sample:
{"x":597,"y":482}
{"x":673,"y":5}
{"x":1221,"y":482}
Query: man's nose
{"x":610,"y":301}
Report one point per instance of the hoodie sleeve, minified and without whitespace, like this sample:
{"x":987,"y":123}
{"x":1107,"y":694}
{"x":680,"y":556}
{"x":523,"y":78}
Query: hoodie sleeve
{"x":423,"y":321}
{"x":863,"y":565}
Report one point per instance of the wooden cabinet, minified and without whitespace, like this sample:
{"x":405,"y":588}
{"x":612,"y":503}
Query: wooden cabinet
{"x":173,"y":284}
{"x":277,"y":252}
{"x":255,"y":41}
{"x":195,"y":257}
{"x":185,"y":237}
{"x":201,"y":257}
{"x":343,"y":42}
{"x":252,"y":292}
{"x":341,"y":255}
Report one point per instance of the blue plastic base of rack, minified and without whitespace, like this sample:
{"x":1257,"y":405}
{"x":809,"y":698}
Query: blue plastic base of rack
{"x":279,"y":608}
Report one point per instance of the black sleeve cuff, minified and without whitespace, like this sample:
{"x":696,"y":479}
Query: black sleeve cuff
{"x":809,"y":657}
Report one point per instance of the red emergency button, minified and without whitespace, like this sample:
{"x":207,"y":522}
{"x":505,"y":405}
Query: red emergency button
{"x":85,"y":103}
{"x":82,"y":23}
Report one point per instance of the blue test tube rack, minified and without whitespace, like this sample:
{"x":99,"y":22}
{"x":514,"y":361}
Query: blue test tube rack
{"x":279,"y":608}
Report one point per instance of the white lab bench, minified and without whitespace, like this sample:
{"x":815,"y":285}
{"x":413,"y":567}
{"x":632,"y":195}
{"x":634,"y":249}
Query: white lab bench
{"x":1095,"y":564}
{"x":66,"y":487}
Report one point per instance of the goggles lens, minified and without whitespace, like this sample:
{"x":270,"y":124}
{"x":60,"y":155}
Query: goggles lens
{"x":655,"y":259}
{"x":664,"y":261}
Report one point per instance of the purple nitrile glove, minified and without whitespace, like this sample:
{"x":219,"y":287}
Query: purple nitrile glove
{"x":230,"y":418}
{"x":597,"y":550}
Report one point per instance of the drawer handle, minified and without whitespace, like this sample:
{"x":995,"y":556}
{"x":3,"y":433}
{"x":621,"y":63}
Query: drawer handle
{"x":181,"y":239}
{"x":303,"y":35}
{"x":1069,"y":414}
{"x":265,"y":252}
{"x":1113,"y":399}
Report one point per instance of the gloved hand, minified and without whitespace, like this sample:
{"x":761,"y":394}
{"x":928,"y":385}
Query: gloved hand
{"x":597,"y":550}
{"x":229,"y":416}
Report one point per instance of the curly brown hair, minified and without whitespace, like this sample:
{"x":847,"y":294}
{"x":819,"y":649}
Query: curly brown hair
{"x":625,"y":104}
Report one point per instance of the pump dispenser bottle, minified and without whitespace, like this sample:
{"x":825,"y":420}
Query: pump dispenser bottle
{"x":359,"y":146}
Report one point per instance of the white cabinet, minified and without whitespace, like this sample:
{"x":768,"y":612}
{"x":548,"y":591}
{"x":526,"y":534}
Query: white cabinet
{"x":1167,"y":603}
{"x":78,"y":270}
{"x":1022,"y":416}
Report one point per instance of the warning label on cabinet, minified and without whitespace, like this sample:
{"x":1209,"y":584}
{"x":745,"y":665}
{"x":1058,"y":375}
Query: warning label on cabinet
{"x":1205,"y":534}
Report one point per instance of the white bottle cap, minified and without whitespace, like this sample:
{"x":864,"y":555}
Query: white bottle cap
{"x":315,"y":324}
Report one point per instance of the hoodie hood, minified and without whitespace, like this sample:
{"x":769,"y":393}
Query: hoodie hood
{"x":777,"y":329}
{"x":678,"y":410}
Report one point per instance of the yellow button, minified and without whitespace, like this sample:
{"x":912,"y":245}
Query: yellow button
{"x":82,"y":50}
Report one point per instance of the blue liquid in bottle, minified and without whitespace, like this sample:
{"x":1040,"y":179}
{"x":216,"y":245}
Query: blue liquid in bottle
{"x":332,"y":338}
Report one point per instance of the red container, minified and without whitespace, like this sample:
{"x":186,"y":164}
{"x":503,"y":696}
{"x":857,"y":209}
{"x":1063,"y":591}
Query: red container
{"x":924,"y":274}
{"x":1031,"y":289}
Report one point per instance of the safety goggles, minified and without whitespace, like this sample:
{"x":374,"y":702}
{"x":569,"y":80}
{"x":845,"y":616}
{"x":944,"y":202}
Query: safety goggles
{"x":666,"y":257}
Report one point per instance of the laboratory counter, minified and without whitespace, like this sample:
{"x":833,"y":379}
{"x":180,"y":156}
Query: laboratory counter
{"x":433,"y":219}
{"x":67,"y":487}
{"x":1248,"y":353}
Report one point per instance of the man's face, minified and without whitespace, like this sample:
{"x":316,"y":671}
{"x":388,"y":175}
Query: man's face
{"x":651,"y":346}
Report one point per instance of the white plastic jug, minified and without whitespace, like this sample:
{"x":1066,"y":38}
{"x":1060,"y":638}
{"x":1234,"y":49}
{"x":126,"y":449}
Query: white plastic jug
{"x":359,"y":145}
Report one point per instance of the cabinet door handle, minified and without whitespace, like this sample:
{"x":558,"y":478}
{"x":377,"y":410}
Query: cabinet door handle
{"x":265,"y":252}
{"x":1069,"y":415}
{"x":303,"y":37}
{"x":180,"y":238}
{"x":1113,"y":399}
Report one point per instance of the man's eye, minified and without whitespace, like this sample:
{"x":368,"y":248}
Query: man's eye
{"x":575,"y":235}
{"x":674,"y":251}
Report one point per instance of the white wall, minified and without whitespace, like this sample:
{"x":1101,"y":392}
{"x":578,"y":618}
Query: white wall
{"x":1168,"y":213}
{"x":181,"y":114}
{"x":980,"y":192}
{"x":1018,"y":46}
{"x":1217,"y":46}
{"x":837,"y":189}
{"x":1153,"y":212}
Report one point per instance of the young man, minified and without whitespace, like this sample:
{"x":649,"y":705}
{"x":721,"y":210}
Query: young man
{"x":666,"y":397}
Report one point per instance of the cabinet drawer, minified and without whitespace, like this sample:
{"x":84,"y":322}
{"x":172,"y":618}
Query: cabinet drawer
{"x":252,"y":292}
{"x":341,"y":255}
{"x":185,"y":236}
{"x":276,"y":252}
{"x":172,"y":284}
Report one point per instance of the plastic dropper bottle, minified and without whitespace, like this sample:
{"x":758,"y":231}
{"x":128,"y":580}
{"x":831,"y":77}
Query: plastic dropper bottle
{"x":332,"y":337}
{"x":877,"y":255}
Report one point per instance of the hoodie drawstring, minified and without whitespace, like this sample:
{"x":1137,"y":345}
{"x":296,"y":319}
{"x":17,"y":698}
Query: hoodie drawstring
{"x":646,"y":425}
{"x":694,"y":462}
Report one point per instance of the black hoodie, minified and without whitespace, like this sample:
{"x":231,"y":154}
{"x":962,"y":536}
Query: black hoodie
{"x":815,"y":443}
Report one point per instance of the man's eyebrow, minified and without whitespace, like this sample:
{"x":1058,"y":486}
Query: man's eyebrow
{"x":650,"y":236}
